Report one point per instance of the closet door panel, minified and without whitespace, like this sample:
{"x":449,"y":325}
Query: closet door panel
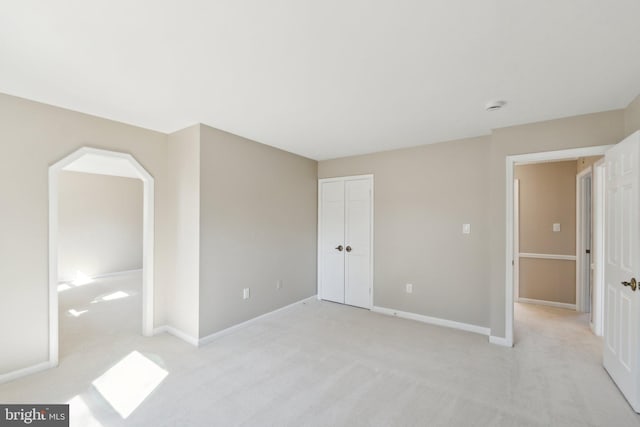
{"x":332,"y":241}
{"x":358,"y":242}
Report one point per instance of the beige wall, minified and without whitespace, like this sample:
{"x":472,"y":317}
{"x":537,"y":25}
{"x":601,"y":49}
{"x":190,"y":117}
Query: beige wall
{"x":547,"y":196}
{"x":261,"y":213}
{"x":632,"y":117}
{"x":423,"y":195}
{"x":548,"y":280}
{"x":100,"y":224}
{"x":184,"y":195}
{"x":581,"y":131}
{"x":34,"y":136}
{"x":260,"y":207}
{"x":258,"y":226}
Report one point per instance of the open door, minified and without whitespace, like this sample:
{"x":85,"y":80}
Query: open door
{"x":622,"y":268}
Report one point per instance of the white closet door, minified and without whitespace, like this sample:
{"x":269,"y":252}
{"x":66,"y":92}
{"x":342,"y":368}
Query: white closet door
{"x":345,"y":241}
{"x":358,"y":242}
{"x":332,"y":241}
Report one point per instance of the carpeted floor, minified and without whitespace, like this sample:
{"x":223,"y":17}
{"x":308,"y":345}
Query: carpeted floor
{"x":325,"y":364}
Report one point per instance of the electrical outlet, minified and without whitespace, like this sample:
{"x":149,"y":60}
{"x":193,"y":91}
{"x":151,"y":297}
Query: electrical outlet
{"x":556,"y":227}
{"x":245,"y":293}
{"x":279,"y":284}
{"x":409,"y":288}
{"x":466,"y":228}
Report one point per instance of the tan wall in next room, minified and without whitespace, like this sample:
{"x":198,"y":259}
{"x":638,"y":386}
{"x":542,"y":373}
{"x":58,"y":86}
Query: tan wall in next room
{"x":547,"y":196}
{"x":548,"y":280}
{"x":100,"y":224}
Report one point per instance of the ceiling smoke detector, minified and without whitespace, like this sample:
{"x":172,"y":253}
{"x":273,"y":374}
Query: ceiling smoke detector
{"x":495,"y":105}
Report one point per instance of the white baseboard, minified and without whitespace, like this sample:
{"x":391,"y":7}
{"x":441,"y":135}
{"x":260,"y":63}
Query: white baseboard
{"x":433,"y":320}
{"x":118,"y":273}
{"x":10,"y":376}
{"x":209,"y":338}
{"x":107,"y":275}
{"x":176,"y":333}
{"x":216,"y":335}
{"x":547,"y":303}
{"x":499,"y":341}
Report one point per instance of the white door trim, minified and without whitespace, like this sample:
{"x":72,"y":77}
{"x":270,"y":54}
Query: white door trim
{"x":597,"y":251}
{"x":510,"y":162}
{"x":147,"y":242}
{"x":320,"y":246}
{"x":547,"y":256}
{"x":580,"y":244}
{"x":516,"y":239}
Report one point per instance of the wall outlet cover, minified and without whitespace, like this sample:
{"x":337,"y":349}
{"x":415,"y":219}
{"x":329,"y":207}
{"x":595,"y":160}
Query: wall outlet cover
{"x":556,"y":227}
{"x":246,"y":293}
{"x":466,"y":228}
{"x":409,"y":288}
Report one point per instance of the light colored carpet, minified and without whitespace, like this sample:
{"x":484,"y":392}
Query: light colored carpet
{"x":324,"y":364}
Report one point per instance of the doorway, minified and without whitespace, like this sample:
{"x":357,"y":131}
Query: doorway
{"x":106,"y":163}
{"x":545,"y":234}
{"x":511,"y":162}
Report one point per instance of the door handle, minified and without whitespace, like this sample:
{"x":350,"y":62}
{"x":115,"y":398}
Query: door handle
{"x":348,"y":248}
{"x":633,"y":284}
{"x":339,"y":248}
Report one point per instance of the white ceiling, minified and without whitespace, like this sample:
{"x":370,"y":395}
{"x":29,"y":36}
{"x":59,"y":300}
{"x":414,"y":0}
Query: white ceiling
{"x":327,"y":78}
{"x":103,"y":165}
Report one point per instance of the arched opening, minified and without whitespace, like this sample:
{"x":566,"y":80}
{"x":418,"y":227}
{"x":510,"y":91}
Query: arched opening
{"x":103,"y":162}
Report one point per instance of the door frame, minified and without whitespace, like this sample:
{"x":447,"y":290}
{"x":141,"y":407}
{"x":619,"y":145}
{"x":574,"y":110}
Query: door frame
{"x":147,"y":242}
{"x":597,"y":249}
{"x":516,"y":240}
{"x":319,"y":247}
{"x":581,"y":212}
{"x":510,"y":162}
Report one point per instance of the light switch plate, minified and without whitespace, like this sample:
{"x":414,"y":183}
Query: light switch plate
{"x":466,"y":228}
{"x":556,"y":227}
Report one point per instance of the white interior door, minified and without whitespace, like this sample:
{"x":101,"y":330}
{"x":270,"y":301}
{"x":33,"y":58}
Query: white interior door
{"x":622,"y":242}
{"x":358,"y":242}
{"x":345,"y":240}
{"x":332,"y":241}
